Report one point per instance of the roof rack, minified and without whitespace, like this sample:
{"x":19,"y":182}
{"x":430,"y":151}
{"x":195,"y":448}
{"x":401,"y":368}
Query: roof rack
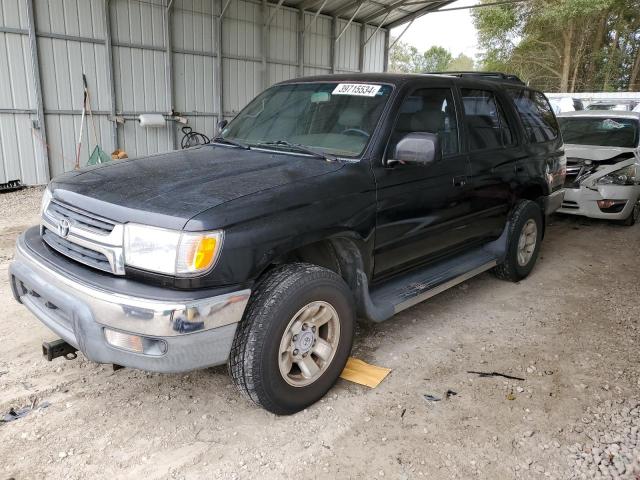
{"x":486,"y":75}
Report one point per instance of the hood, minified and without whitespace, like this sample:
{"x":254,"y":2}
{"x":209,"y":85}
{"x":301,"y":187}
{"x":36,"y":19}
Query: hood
{"x":168,"y":189}
{"x":597,"y":154}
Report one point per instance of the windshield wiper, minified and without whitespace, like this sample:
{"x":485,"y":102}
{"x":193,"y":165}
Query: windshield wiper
{"x":301,"y":148}
{"x":230,"y":142}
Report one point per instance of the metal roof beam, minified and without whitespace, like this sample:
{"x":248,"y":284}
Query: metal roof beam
{"x":307,"y":3}
{"x":315,"y":17}
{"x":384,"y":10}
{"x":224,"y":8}
{"x":273,"y":14}
{"x":378,"y":28}
{"x":347,"y":8}
{"x":433,"y":6}
{"x":360,"y":3}
{"x":403,"y":32}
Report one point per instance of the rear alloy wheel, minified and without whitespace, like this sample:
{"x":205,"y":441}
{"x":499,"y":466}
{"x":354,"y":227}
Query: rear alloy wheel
{"x":294,"y":339}
{"x":523,"y":244}
{"x":527,"y":242}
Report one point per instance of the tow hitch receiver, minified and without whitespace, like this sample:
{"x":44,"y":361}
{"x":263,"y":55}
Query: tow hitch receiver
{"x":58,"y":348}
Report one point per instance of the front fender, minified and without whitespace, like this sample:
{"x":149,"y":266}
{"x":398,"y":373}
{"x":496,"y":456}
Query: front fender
{"x":266,"y":226}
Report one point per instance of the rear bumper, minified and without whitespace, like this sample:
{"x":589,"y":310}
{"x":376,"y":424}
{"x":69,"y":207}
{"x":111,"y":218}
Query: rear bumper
{"x":553,"y":201}
{"x":180,"y":334}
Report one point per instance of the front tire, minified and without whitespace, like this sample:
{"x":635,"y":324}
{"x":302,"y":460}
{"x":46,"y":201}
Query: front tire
{"x":294,"y":339}
{"x":633,"y":217}
{"x":525,"y":235}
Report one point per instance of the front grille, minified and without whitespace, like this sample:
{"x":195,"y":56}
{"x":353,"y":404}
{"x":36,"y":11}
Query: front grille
{"x":81,"y":219}
{"x":76,"y":252}
{"x":577,"y":170}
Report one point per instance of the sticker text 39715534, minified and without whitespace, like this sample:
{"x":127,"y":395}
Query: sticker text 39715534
{"x":358,"y":89}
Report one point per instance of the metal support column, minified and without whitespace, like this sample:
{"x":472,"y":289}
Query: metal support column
{"x":37,"y":85}
{"x":363,"y":46}
{"x":217,"y":66}
{"x":110,"y":78}
{"x":168,"y":65}
{"x":387,"y":36}
{"x":332,"y":49}
{"x":300,"y":43}
{"x":265,"y":43}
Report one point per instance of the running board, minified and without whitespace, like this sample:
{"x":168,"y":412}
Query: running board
{"x":430,"y":292}
{"x":381,"y":302}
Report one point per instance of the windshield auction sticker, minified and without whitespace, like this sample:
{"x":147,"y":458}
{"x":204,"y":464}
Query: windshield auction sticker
{"x":358,"y":89}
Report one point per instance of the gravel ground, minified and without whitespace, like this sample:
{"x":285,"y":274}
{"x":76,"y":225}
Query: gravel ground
{"x":570,"y":330}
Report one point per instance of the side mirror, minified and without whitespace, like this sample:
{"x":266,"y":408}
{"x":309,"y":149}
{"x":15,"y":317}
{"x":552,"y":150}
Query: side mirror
{"x":222,"y":124}
{"x":417,"y":148}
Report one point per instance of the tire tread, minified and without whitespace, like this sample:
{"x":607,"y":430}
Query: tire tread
{"x":507,"y":269}
{"x":244,"y":367}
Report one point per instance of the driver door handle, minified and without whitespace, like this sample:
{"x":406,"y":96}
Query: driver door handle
{"x":460,"y":181}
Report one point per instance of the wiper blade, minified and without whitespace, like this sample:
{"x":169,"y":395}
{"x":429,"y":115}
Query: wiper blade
{"x":230,"y":142}
{"x":301,"y":148}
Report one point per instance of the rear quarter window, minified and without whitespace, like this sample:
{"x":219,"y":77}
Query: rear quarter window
{"x":538,"y":119}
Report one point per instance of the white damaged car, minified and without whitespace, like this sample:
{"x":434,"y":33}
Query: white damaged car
{"x":603,"y":165}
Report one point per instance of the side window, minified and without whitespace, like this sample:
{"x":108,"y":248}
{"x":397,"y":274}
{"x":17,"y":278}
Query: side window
{"x":429,"y":110}
{"x":486,"y":123}
{"x":537,"y":116}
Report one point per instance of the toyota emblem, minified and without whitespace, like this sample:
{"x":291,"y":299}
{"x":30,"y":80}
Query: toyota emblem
{"x":63,"y":227}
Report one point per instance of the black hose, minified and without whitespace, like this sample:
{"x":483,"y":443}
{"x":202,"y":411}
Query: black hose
{"x":191,"y":138}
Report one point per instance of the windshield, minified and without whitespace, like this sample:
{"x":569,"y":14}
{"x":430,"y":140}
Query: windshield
{"x":606,"y":132}
{"x":336,"y":118}
{"x":611,"y":106}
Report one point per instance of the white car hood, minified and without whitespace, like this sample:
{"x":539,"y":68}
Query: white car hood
{"x":597,"y":154}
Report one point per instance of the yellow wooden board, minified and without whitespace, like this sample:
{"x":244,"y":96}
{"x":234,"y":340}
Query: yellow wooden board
{"x":361,"y":372}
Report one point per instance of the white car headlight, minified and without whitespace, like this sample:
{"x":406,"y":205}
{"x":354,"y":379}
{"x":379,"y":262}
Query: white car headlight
{"x":170,"y":251}
{"x":625,"y":176}
{"x":46,"y":200}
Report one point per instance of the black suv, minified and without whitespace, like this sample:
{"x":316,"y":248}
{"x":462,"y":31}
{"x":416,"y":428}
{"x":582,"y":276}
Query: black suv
{"x":326,"y":199}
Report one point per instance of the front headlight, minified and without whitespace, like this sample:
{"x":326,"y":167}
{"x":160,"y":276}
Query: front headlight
{"x":625,"y":176}
{"x":170,"y":251}
{"x":46,"y":200}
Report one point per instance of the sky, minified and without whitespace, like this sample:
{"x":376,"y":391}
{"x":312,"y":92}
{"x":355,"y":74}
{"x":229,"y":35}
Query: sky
{"x":451,"y":30}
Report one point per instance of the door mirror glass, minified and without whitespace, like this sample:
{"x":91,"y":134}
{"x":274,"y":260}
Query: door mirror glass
{"x":221,"y":125}
{"x":417,"y":148}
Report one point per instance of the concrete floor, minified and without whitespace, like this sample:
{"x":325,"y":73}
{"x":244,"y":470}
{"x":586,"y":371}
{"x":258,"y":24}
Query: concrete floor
{"x":570,"y":329}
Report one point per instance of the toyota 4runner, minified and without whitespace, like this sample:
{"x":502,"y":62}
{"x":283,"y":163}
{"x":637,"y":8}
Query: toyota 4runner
{"x":325,"y":200}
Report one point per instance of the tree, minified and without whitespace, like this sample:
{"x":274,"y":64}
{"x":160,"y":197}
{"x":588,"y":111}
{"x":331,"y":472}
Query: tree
{"x":436,"y":59}
{"x":462,"y":63}
{"x":563,"y":45}
{"x":404,"y":58}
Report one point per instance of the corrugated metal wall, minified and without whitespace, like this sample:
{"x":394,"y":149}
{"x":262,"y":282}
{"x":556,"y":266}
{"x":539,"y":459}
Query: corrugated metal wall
{"x":72,"y":39}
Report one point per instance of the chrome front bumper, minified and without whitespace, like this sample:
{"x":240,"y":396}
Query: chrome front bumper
{"x":193,"y":332}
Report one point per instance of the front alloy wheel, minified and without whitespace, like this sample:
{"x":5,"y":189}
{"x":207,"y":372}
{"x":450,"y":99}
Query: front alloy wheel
{"x":309,"y":343}
{"x":294,"y":339}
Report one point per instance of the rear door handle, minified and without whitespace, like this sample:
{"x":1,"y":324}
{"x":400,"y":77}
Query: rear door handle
{"x":459,"y":181}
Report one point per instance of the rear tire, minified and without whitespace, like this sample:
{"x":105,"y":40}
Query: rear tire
{"x":300,"y":319}
{"x":523,"y":244}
